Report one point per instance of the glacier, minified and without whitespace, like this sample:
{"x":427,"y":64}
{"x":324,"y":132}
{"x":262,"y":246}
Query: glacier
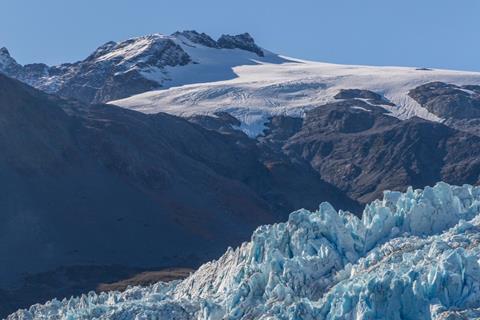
{"x":290,"y":88}
{"x":413,"y":255}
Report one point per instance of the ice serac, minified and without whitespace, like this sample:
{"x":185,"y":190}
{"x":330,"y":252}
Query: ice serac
{"x":413,"y":255}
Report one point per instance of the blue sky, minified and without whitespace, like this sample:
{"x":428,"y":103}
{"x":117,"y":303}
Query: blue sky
{"x":433,"y":33}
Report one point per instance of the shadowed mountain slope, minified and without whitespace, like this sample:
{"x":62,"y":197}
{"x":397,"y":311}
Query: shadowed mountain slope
{"x":101,"y":185}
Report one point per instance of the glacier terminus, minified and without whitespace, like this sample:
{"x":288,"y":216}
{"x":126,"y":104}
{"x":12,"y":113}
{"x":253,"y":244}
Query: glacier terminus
{"x":413,"y":255}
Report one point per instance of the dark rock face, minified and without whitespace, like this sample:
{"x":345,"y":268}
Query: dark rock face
{"x":345,"y":117}
{"x":113,"y":86}
{"x":4,"y":52}
{"x":200,"y":38}
{"x":364,"y":153}
{"x":132,"y":172}
{"x":423,"y":69}
{"x":370,"y":96}
{"x":467,"y":125}
{"x":242,"y":41}
{"x":358,"y":148}
{"x":279,"y":129}
{"x":102,"y":78}
{"x":34,"y":70}
{"x":448,"y":100}
{"x":7,"y":63}
{"x":221,"y":122}
{"x":296,"y":183}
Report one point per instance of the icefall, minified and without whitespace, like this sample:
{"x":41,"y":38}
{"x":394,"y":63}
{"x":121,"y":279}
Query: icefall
{"x":413,"y":255}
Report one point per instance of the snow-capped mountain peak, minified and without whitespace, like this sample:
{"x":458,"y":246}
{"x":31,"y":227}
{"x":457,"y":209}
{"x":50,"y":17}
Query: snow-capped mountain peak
{"x":121,"y":69}
{"x":153,"y":50}
{"x":4,"y":52}
{"x":7,"y":63}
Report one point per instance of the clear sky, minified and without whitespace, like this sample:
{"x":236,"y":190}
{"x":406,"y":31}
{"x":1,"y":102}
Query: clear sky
{"x":431,"y":33}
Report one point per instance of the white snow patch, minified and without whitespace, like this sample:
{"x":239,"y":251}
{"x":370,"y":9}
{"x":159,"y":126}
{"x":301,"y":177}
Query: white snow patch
{"x":136,"y":47}
{"x":361,"y":108}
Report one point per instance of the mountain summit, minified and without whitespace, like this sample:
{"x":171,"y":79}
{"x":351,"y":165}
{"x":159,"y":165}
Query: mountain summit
{"x":117,"y":70}
{"x":7,"y":63}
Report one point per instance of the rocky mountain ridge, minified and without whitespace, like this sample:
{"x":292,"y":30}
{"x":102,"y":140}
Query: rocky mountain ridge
{"x":118,"y":70}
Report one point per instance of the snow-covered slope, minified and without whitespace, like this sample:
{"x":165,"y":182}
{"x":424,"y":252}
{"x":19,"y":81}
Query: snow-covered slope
{"x":208,"y":64}
{"x":412,"y":256}
{"x":291,"y":88}
{"x":121,"y":69}
{"x":189,"y":73}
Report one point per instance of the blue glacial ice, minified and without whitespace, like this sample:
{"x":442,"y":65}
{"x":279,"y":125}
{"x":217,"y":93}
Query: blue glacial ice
{"x":413,"y":255}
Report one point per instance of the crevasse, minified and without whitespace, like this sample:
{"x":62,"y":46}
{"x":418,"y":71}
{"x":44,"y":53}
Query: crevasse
{"x":413,"y":255}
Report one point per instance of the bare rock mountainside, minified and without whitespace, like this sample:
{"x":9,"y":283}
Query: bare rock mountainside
{"x":163,"y":150}
{"x":101,"y":185}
